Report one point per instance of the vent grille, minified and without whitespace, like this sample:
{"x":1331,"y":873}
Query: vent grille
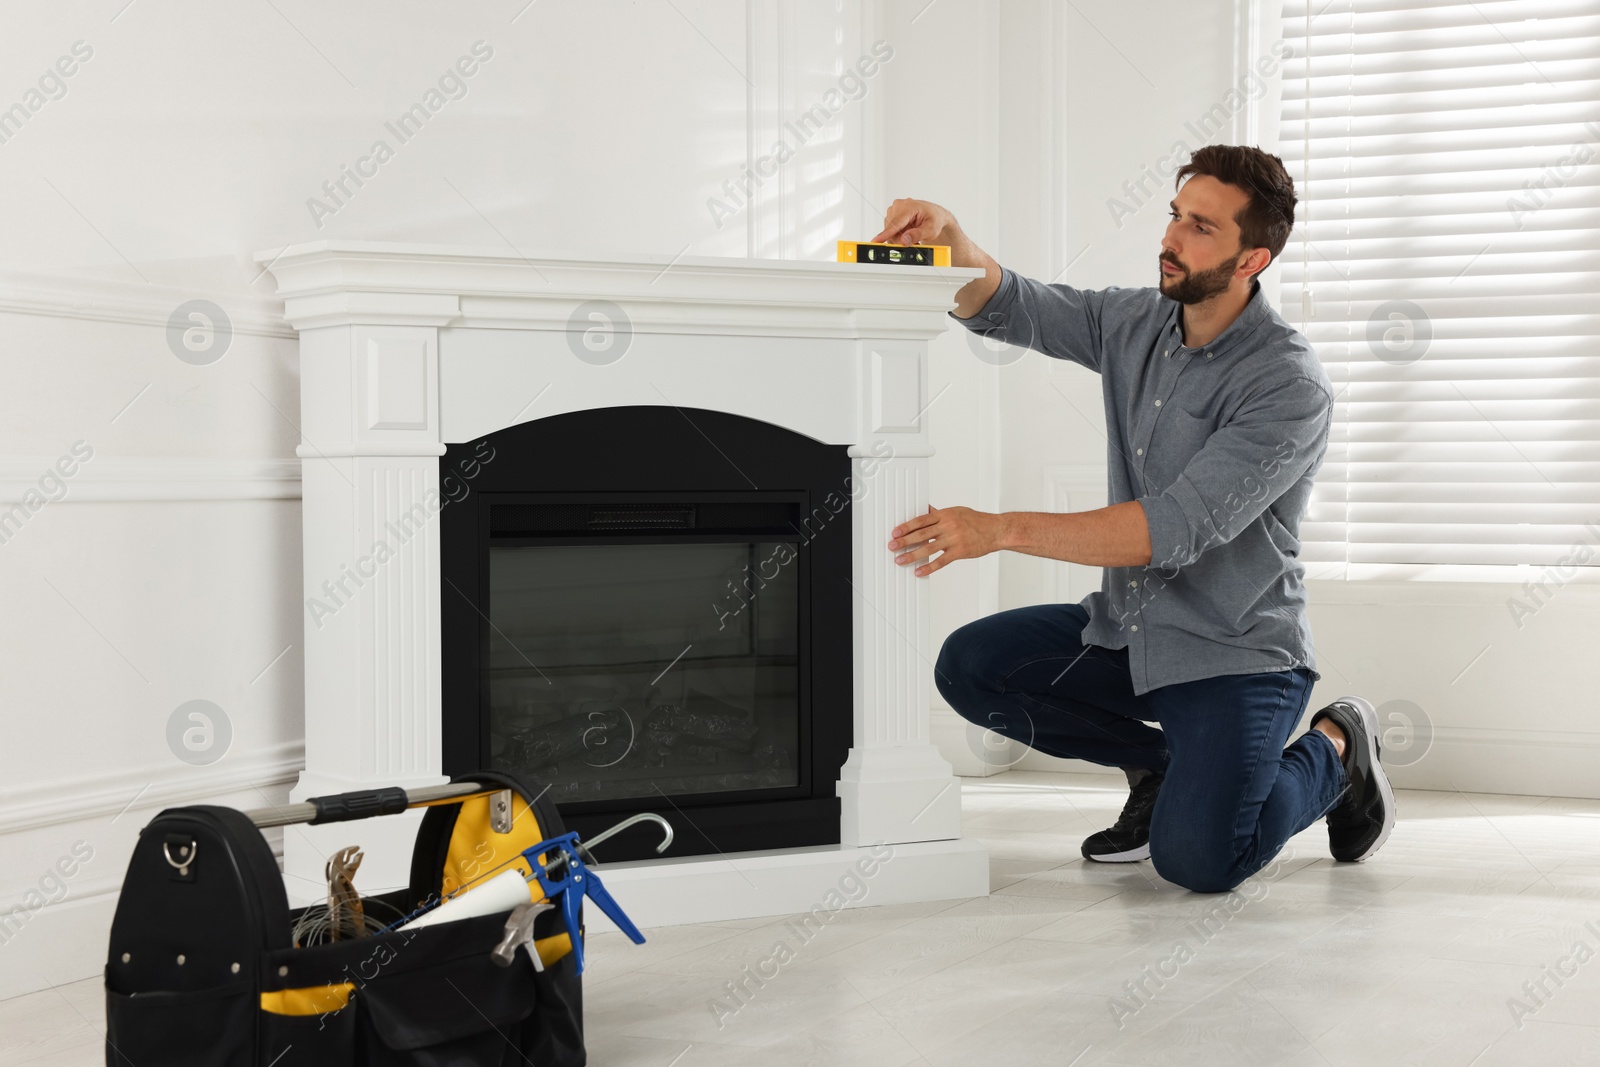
{"x":642,"y":517}
{"x":530,"y":520}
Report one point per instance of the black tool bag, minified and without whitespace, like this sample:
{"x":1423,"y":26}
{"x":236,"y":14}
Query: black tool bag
{"x":202,"y":968}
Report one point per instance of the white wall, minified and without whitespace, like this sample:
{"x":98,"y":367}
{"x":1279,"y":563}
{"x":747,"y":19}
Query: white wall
{"x":192,"y":136}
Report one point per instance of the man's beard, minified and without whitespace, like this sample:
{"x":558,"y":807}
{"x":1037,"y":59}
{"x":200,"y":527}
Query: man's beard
{"x":1194,"y":288}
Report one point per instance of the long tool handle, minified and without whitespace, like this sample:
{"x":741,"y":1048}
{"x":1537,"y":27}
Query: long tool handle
{"x":361,"y":804}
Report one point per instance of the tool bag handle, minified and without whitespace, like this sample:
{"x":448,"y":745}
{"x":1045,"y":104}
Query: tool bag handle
{"x":359,"y":804}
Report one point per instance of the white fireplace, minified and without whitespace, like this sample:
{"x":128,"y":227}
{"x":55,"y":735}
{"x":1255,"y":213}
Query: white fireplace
{"x":405,"y":349}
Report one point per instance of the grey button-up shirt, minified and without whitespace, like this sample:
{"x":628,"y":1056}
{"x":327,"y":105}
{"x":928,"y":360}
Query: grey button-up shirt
{"x":1219,"y":445}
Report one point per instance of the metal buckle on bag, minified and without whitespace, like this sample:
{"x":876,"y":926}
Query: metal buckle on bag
{"x":186,"y":848}
{"x":500,"y":811}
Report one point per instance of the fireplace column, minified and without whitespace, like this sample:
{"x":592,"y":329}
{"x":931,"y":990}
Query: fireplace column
{"x":369,"y":452}
{"x":895,"y":786}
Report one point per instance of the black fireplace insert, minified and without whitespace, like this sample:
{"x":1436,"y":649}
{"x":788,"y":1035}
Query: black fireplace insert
{"x":648,"y":608}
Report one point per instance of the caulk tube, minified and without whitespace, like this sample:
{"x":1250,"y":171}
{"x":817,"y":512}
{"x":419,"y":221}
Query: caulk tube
{"x":501,"y":893}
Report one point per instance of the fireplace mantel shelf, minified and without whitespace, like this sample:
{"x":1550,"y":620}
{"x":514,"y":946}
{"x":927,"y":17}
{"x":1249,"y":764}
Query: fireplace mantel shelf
{"x":406,"y":350}
{"x":326,"y":283}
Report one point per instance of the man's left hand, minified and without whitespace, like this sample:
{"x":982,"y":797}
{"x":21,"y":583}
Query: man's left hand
{"x":954,"y":533}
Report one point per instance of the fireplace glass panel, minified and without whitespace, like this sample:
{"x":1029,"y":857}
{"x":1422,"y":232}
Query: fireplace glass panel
{"x":620,"y":670}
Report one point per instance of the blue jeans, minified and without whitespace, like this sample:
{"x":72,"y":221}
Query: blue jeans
{"x":1232,"y":795}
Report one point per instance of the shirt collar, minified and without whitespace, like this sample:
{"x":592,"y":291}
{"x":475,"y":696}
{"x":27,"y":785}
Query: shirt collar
{"x":1255,"y":309}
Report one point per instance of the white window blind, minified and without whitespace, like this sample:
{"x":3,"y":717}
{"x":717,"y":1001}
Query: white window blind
{"x":1446,"y":265}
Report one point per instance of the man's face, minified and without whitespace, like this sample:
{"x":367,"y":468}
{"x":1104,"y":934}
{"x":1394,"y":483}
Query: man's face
{"x":1200,"y":254}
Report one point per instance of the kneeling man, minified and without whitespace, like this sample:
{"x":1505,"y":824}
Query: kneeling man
{"x":1217,"y":419}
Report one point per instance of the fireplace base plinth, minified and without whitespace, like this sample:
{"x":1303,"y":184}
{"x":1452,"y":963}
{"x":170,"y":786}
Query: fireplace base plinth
{"x":898,"y":793}
{"x":791,"y":882}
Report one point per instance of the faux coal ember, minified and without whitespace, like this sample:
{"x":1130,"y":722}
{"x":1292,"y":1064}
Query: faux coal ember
{"x":706,"y":731}
{"x":543,"y":748}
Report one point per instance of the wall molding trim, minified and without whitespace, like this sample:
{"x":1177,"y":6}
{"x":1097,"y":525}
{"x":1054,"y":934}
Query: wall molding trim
{"x":770,"y":57}
{"x":1063,"y":478}
{"x":89,"y":797}
{"x":1074,"y":487}
{"x":132,"y":479}
{"x":1054,"y":214}
{"x":70,"y":296}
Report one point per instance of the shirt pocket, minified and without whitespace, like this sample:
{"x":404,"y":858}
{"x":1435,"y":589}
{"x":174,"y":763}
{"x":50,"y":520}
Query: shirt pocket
{"x":1179,"y":434}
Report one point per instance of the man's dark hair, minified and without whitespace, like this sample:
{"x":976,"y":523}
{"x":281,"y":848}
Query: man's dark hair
{"x":1266,"y":221}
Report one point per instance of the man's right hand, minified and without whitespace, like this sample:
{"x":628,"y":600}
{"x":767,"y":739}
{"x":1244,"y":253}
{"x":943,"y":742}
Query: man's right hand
{"x":919,"y":222}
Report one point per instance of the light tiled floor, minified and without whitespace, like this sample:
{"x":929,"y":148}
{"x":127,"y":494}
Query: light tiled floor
{"x":1411,"y":958}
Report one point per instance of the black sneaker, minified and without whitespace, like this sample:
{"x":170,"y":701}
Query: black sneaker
{"x":1360,"y":824}
{"x":1129,"y":840}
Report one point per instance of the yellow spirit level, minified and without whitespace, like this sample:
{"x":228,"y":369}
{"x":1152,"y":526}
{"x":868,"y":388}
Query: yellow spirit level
{"x":894,"y":255}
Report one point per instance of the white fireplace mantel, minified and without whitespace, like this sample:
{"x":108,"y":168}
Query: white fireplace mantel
{"x":405,"y":349}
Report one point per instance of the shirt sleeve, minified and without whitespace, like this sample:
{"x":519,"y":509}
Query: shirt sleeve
{"x":1058,"y":320}
{"x":1246,"y":464}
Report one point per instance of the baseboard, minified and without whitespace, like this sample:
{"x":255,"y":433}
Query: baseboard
{"x":792,"y":882}
{"x":954,"y":737}
{"x":65,"y":941}
{"x":1038,"y":761}
{"x":1540,"y":763}
{"x":62,"y":943}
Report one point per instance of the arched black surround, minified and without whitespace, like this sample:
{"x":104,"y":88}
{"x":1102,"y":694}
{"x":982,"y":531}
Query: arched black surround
{"x":663,"y":455}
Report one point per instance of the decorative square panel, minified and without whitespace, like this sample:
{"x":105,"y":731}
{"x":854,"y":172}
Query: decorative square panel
{"x":397,"y":383}
{"x":896,"y":392}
